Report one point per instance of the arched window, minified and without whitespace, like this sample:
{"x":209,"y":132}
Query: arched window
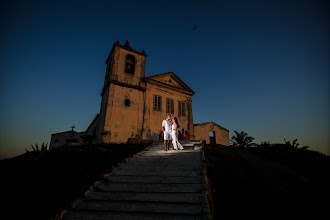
{"x":130,"y":64}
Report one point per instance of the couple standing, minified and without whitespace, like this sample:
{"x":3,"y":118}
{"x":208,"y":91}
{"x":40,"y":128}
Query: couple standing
{"x":170,"y":130}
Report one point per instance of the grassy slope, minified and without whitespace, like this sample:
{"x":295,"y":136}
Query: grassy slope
{"x":245,"y":184}
{"x":40,"y":191}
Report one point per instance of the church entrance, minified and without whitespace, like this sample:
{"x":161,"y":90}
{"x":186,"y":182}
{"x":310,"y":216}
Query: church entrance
{"x":212,"y":137}
{"x":71,"y":142}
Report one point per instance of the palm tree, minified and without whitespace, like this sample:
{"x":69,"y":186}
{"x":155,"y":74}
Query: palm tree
{"x":242,"y":140}
{"x":294,"y":143}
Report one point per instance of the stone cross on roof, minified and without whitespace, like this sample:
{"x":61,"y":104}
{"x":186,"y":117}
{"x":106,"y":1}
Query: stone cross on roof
{"x":72,"y":127}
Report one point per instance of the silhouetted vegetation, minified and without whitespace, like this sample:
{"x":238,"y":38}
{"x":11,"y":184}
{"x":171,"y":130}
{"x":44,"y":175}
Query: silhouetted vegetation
{"x":242,"y":140}
{"x":40,"y":190}
{"x":38,"y":155}
{"x":267,"y":180}
{"x":279,"y":178}
{"x":286,"y":151}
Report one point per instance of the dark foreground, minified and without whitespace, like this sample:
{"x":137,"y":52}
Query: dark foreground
{"x":243,"y":184}
{"x":247,"y":184}
{"x":40,"y":189}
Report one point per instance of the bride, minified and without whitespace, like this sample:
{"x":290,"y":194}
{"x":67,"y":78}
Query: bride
{"x":174,"y":134}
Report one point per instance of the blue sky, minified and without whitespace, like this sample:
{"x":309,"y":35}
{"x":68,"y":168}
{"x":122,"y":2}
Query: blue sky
{"x":257,"y":66}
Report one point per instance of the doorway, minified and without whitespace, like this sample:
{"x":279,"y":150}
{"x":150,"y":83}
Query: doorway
{"x":212,"y":137}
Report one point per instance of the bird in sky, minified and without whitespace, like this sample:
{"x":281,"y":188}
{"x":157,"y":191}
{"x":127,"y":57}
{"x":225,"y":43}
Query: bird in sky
{"x":194,"y":28}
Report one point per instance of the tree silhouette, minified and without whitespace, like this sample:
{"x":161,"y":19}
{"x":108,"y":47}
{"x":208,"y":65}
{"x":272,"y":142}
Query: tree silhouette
{"x":242,"y":140}
{"x":294,"y":143}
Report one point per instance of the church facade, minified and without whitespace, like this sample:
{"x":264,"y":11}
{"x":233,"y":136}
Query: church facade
{"x":133,"y":105}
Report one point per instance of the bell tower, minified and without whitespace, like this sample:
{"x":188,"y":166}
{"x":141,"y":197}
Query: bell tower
{"x":125,"y":65}
{"x":121,"y":112}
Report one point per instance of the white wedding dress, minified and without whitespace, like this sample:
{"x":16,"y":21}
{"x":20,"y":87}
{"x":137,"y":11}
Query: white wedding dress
{"x":175,"y":142}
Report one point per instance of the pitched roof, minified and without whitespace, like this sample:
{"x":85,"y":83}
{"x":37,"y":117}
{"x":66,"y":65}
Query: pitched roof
{"x":211,"y":122}
{"x":183,"y":86}
{"x":68,"y":132}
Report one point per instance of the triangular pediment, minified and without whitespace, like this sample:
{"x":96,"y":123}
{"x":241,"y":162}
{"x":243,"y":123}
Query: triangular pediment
{"x":171,"y":80}
{"x":168,"y":80}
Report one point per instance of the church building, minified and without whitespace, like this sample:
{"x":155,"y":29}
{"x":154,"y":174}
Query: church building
{"x":133,"y":106}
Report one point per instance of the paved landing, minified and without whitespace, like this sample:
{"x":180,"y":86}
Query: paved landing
{"x":153,"y":185}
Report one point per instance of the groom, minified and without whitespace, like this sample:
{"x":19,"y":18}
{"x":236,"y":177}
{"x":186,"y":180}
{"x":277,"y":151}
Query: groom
{"x":167,"y":127}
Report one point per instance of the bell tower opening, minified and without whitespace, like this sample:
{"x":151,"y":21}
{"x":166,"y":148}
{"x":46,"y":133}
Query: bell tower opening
{"x":130,"y":64}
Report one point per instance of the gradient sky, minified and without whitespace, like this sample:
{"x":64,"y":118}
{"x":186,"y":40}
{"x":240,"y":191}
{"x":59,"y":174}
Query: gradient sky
{"x":257,"y":66}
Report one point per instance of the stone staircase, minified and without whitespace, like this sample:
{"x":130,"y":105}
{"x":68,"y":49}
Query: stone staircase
{"x":153,"y":185}
{"x":187,"y":144}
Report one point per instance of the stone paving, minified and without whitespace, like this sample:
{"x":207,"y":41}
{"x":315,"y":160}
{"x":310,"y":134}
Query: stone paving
{"x":152,"y":185}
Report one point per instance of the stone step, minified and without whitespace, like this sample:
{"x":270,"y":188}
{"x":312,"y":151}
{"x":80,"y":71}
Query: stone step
{"x":165,"y":164}
{"x":175,"y":208}
{"x":145,"y":197}
{"x":187,"y":144}
{"x":194,"y":141}
{"x":188,"y":172}
{"x":194,"y":159}
{"x":159,"y":167}
{"x":127,"y":216}
{"x":162,"y":147}
{"x":172,"y":157}
{"x":182,"y":151}
{"x":181,"y":142}
{"x":149,"y":187}
{"x":159,"y":159}
{"x":155,"y":184}
{"x":191,"y":159}
{"x":174,"y":151}
{"x":153,"y":179}
{"x":173,"y":154}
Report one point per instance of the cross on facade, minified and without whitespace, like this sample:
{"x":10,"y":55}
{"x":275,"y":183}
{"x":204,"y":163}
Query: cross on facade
{"x":72,"y":127}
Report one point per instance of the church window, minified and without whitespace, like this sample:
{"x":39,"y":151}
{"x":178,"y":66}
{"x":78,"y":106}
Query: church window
{"x":157,"y":102}
{"x":182,"y":108}
{"x":127,"y":103}
{"x":170,"y":106}
{"x":130,"y":64}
